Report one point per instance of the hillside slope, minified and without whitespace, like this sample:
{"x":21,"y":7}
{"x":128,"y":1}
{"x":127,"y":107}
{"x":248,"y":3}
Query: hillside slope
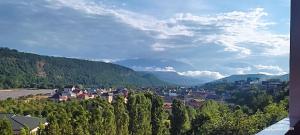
{"x":18,"y":69}
{"x":234,"y":78}
{"x":262,"y":77}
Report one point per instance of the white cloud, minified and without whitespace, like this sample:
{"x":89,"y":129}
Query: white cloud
{"x":139,"y":21}
{"x":243,"y":70}
{"x":206,"y":74}
{"x":160,"y":47}
{"x":237,"y":31}
{"x":240,"y":32}
{"x":260,"y":67}
{"x":270,"y":70}
{"x":196,"y":74}
{"x":165,"y":69}
{"x":107,"y":60}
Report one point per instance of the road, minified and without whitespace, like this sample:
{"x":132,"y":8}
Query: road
{"x":15,"y":93}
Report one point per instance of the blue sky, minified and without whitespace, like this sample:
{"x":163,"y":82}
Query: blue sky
{"x":212,"y":38}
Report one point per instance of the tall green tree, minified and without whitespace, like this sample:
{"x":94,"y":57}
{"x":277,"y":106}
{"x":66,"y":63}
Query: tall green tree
{"x":64,"y":123}
{"x":139,"y":108}
{"x":157,"y":115}
{"x":52,"y":128}
{"x":180,"y":122}
{"x":80,"y":121}
{"x":197,"y":123}
{"x":96,"y":122}
{"x":122,"y":117}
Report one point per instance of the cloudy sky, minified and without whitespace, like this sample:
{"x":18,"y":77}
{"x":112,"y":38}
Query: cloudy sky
{"x":198,"y":38}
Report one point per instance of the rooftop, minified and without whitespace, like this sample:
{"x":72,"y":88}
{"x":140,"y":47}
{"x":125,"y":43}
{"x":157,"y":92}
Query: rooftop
{"x":19,"y":122}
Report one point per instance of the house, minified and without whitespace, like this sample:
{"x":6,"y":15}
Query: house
{"x":167,"y":106}
{"x":172,"y":94}
{"x":121,"y":92}
{"x":59,"y":97}
{"x":196,"y":103}
{"x":272,"y":84}
{"x":69,"y":88}
{"x":108,"y":96}
{"x":19,"y":122}
{"x":77,"y":92}
{"x":83,"y":96}
{"x":69,"y":94}
{"x":212,"y":97}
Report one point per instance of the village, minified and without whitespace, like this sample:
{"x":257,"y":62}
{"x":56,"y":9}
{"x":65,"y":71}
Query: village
{"x":190,"y":96}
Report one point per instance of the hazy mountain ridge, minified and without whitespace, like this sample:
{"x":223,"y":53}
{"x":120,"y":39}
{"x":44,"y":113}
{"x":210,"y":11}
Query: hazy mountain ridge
{"x":175,"y":78}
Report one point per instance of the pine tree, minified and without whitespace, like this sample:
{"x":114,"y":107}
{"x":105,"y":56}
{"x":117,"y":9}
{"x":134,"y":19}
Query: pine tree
{"x":52,"y":128}
{"x":139,"y":108}
{"x":122,"y":118}
{"x":157,"y":115}
{"x":180,"y":121}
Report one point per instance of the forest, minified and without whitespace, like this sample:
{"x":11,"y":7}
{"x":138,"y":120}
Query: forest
{"x":26,"y":70}
{"x":142,"y":115}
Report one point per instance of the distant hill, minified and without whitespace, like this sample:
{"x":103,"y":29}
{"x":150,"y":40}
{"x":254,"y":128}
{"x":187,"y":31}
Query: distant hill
{"x":234,"y":78}
{"x":18,"y":69}
{"x":175,"y":78}
{"x":226,"y":83}
{"x":262,"y":77}
{"x":285,"y":77}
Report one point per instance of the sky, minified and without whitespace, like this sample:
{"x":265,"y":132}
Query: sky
{"x":196,"y":38}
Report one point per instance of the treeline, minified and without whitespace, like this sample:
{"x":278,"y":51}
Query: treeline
{"x":23,"y":70}
{"x":257,"y":98}
{"x":251,"y":99}
{"x":142,"y":115}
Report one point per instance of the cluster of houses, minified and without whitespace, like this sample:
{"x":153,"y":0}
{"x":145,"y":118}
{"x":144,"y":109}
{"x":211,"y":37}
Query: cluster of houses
{"x":268,"y":85}
{"x":195,"y":97}
{"x":272,"y":84}
{"x":189,"y":97}
{"x":72,"y":92}
{"x":246,"y":84}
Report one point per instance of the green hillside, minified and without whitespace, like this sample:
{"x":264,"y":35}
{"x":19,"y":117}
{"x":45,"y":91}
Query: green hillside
{"x":18,"y":69}
{"x":261,"y":77}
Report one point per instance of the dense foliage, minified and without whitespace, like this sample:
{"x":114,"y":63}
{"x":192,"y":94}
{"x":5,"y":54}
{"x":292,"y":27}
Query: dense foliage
{"x":143,"y":114}
{"x":19,"y":69}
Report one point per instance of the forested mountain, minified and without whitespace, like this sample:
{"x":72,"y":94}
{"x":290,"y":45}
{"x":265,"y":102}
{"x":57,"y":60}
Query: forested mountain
{"x":18,"y":69}
{"x":234,"y":78}
{"x":261,"y":77}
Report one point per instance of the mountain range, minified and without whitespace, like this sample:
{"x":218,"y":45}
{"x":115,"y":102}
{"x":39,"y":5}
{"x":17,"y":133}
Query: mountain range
{"x":19,"y":69}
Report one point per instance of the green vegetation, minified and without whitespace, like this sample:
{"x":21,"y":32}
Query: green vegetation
{"x":5,"y":127}
{"x":143,"y":114}
{"x":23,"y":70}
